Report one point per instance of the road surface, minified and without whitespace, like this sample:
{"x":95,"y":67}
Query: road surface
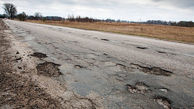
{"x":125,"y":71}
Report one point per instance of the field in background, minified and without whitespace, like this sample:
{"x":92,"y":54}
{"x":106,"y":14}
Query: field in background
{"x":172,"y":33}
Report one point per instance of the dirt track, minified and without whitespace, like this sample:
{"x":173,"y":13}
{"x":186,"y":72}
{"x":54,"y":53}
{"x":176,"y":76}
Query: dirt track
{"x":87,"y":69}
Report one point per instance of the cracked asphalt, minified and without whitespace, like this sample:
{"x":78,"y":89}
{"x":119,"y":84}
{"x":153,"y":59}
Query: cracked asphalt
{"x":126,"y":71}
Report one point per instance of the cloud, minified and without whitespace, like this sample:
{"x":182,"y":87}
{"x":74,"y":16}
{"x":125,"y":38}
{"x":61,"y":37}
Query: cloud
{"x":178,"y":3}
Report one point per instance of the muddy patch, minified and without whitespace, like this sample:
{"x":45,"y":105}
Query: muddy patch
{"x":105,"y":39}
{"x":39,"y":55}
{"x":154,"y":70}
{"x":163,"y":101}
{"x":142,"y":48}
{"x":139,"y":87}
{"x":48,"y":69}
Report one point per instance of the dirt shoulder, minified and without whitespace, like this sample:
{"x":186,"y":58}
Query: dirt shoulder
{"x":28,"y":81}
{"x":17,"y":91}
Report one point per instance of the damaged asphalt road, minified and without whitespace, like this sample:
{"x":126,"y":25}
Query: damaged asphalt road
{"x":89,"y":69}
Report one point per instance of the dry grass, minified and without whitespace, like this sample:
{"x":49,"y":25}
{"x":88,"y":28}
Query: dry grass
{"x":172,"y":33}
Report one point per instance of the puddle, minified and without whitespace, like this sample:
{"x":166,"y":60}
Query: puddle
{"x":48,"y":69}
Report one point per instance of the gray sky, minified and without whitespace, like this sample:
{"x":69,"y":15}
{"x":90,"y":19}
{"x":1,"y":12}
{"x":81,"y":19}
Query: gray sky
{"x":133,"y":10}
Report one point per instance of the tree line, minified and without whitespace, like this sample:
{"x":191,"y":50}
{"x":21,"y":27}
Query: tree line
{"x":181,"y":23}
{"x":11,"y":12}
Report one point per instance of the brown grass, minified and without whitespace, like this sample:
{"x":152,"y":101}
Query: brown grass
{"x":172,"y":33}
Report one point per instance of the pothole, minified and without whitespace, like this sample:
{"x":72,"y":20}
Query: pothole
{"x":162,"y":52}
{"x":139,"y":87}
{"x":105,"y":54}
{"x":123,"y":67}
{"x":105,"y":39}
{"x":142,"y":86}
{"x":17,"y":59}
{"x":48,"y":69}
{"x":120,"y":65}
{"x":79,"y":66}
{"x":142,"y":47}
{"x":39,"y":55}
{"x":163,"y":101}
{"x":154,"y":70}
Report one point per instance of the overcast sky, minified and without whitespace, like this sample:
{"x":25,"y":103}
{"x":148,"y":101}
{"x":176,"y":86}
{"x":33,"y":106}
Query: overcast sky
{"x":133,"y":10}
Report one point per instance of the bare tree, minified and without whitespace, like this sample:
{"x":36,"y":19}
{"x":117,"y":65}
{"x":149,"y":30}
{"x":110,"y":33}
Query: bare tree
{"x":22,"y":16}
{"x":10,"y":10}
{"x":38,"y":16}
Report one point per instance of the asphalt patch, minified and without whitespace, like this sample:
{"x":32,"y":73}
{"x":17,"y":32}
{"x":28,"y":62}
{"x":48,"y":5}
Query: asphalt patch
{"x":39,"y":55}
{"x":48,"y":69}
